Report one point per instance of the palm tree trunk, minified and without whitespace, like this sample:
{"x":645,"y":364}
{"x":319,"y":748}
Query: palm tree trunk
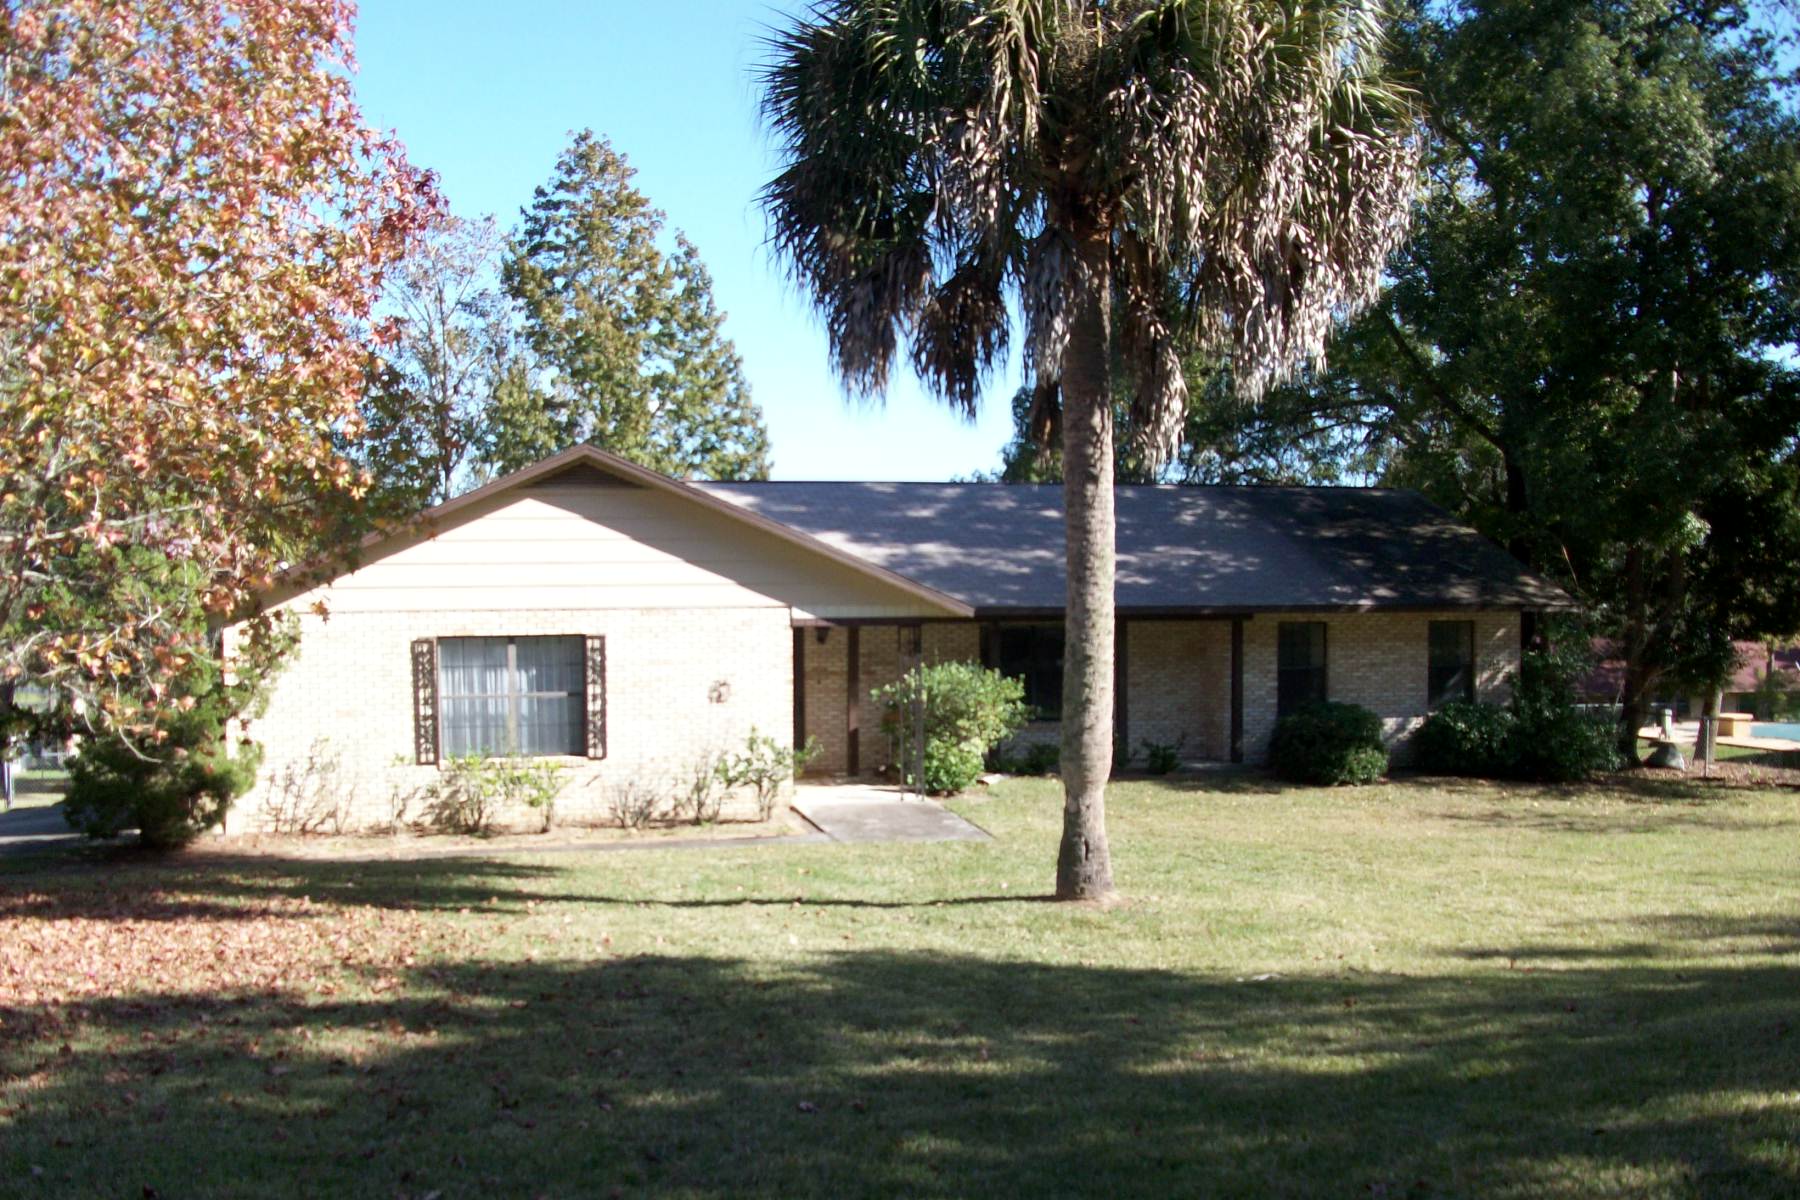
{"x":1084,"y":865}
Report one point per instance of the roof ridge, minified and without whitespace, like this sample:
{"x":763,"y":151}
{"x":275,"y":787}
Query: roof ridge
{"x":982,"y":483}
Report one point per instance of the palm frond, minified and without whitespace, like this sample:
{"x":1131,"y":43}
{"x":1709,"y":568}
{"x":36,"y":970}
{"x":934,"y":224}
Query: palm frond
{"x":1253,"y":165}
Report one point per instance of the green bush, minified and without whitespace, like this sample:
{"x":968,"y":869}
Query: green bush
{"x":1540,"y":735}
{"x":969,"y":709}
{"x":950,"y":766}
{"x":173,"y":774}
{"x":170,"y":799}
{"x":1328,"y":743}
{"x":1160,"y":758}
{"x":764,"y":765}
{"x":1466,"y":738}
{"x":1041,"y":758}
{"x":1552,"y":740}
{"x":471,"y":790}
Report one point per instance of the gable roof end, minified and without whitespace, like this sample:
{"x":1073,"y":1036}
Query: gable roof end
{"x":453,"y":511}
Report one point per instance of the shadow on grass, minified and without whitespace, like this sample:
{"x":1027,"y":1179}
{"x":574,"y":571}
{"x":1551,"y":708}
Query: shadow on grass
{"x":127,"y":882}
{"x":885,"y":1073}
{"x":173,"y":889}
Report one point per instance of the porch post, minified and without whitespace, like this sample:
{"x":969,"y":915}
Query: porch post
{"x":799,"y":688}
{"x":1237,"y":689}
{"x":853,"y":701}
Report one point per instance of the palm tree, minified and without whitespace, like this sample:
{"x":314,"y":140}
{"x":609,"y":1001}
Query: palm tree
{"x":1227,"y":174}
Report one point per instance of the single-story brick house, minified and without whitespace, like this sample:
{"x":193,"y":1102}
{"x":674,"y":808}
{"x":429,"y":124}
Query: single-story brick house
{"x":626,"y":623}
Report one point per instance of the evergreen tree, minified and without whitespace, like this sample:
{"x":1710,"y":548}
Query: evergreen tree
{"x":628,"y":348}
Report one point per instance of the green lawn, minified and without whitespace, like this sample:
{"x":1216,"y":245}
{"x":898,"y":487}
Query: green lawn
{"x":1427,"y":989}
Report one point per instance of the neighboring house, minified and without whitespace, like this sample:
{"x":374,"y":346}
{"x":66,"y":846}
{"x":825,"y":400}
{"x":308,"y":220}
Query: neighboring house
{"x":1761,"y":672}
{"x":629,"y":624}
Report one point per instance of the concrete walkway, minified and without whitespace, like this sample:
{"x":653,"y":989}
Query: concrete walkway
{"x":855,"y":812}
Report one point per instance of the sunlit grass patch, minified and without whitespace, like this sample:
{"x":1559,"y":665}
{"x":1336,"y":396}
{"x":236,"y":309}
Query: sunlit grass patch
{"x":1420,"y":988}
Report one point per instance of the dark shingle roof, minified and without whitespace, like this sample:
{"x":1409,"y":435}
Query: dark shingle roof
{"x":1000,"y":547}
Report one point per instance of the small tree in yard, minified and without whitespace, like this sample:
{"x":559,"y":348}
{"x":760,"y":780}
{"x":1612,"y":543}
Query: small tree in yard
{"x":968,"y":710}
{"x":169,"y":766}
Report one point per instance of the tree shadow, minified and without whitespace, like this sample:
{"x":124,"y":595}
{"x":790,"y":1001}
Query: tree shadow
{"x":127,"y":883}
{"x":885,"y":1073}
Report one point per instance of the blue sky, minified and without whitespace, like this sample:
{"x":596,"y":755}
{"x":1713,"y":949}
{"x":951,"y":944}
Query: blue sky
{"x":487,"y":94}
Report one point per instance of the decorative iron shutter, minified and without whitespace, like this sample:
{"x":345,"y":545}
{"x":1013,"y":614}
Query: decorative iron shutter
{"x":425,"y":701}
{"x":596,"y":697}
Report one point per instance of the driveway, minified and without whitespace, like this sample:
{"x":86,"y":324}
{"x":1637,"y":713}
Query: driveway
{"x":866,"y":813}
{"x":32,"y":827}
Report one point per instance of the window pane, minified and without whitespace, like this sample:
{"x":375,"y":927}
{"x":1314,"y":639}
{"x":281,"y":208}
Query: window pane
{"x":475,"y":725}
{"x":552,"y":725}
{"x":1300,"y":665}
{"x":550,"y":664}
{"x":1302,"y":644}
{"x":1452,"y":669}
{"x":1033,"y":654}
{"x":504,"y":696}
{"x":473,"y":666}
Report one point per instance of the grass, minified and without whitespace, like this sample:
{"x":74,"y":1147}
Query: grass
{"x":36,"y":787}
{"x":1432,"y":988}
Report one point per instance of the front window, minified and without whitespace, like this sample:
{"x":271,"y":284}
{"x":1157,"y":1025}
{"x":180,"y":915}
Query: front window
{"x":1300,"y":667}
{"x":1034,"y":655}
{"x":513,"y":695}
{"x":1452,"y":672}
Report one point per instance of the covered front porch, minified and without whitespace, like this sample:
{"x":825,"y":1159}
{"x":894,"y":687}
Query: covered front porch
{"x":1179,"y":681}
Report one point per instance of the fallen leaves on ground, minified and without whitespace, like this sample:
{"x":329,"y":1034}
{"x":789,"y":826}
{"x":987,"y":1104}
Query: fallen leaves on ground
{"x":141,"y":944}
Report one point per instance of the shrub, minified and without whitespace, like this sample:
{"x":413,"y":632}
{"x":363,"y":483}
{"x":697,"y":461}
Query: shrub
{"x":704,"y":793}
{"x":1328,"y":743}
{"x":1162,"y":757}
{"x":170,"y":799}
{"x":633,"y":803}
{"x":310,"y":796}
{"x":471,"y":791}
{"x":1041,"y":758}
{"x":968,"y":710}
{"x":1466,"y":738}
{"x":764,"y":765}
{"x":1541,"y":735}
{"x":1553,"y":740}
{"x":950,"y":766}
{"x":174,"y":776}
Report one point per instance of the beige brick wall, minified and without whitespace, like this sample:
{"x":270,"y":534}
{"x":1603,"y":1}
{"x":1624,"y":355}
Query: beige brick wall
{"x":349,"y":688}
{"x":1179,"y":681}
{"x":1378,"y":660}
{"x":1178,"y":687}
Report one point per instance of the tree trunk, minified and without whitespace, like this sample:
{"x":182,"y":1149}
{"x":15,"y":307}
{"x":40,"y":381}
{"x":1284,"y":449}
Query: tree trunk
{"x":1084,"y":865}
{"x":1634,"y":699}
{"x":1518,"y":509}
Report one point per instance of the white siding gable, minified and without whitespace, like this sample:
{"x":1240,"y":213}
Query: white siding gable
{"x":574,"y":545}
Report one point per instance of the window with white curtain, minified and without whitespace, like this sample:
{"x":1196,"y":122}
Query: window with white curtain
{"x":512,"y":695}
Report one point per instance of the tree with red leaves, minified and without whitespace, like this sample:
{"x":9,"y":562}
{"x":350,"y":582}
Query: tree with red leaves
{"x":194,"y":222}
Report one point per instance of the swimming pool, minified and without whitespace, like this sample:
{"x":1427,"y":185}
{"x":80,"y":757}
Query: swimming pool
{"x":1776,"y":729}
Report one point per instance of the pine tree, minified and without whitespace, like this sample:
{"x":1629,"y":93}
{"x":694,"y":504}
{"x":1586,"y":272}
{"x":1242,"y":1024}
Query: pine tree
{"x":629,"y":349}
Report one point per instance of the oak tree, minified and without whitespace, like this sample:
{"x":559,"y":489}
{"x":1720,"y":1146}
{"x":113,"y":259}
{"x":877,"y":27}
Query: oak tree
{"x":193,"y":225}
